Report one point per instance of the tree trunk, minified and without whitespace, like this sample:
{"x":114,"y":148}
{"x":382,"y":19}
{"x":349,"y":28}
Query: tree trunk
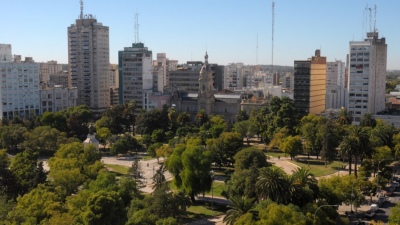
{"x":349,"y":164}
{"x":355,"y":167}
{"x":192,"y":197}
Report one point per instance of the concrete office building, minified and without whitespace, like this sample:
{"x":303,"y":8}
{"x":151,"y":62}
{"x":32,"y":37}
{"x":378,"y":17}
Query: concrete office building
{"x":135,"y":75}
{"x":19,"y":88}
{"x":310,"y":84}
{"x":367,"y":76}
{"x":57,"y":98}
{"x":5,"y":53}
{"x":88,"y":59}
{"x":60,"y":78}
{"x":235,"y":76}
{"x":335,"y":85}
{"x":50,"y":67}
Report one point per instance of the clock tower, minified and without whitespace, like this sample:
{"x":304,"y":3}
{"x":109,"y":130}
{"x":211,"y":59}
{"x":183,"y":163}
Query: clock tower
{"x":206,"y":97}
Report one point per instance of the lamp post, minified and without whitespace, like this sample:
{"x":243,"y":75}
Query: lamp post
{"x":351,"y":196}
{"x":321,"y":207}
{"x":377,"y":174}
{"x":212,"y":190}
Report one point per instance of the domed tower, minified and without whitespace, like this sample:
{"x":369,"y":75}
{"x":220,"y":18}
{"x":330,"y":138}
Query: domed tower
{"x":206,"y":97}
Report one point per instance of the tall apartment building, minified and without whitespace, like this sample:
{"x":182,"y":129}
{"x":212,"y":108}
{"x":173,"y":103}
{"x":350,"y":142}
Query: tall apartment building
{"x":135,"y":75}
{"x":113,"y":75}
{"x":310,"y":84}
{"x":5,"y":53}
{"x":335,"y":85}
{"x":89,"y":61}
{"x":367,"y":76}
{"x":162,"y":66}
{"x":19,"y":88}
{"x":50,"y":67}
{"x":235,"y":76}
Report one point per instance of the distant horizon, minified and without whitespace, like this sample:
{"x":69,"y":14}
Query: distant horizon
{"x":229,"y":31}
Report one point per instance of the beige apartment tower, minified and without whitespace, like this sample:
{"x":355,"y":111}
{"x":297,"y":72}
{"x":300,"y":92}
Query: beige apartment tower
{"x":310,"y":84}
{"x":89,"y":62}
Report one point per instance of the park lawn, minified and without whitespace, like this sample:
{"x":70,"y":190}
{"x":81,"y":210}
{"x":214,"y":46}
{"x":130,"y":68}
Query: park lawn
{"x":203,"y":210}
{"x":218,"y":187}
{"x":121,"y":170}
{"x":276,"y":154}
{"x":317,"y":167}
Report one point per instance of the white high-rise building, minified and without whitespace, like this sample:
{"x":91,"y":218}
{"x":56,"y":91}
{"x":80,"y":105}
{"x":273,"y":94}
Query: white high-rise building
{"x":89,"y":62}
{"x":335,"y":89}
{"x":19,"y":88}
{"x":135,"y":75}
{"x":367,"y":76}
{"x":5,"y":53}
{"x":235,"y":76}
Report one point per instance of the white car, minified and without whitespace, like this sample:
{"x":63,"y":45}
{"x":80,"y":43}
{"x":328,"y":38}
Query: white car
{"x":374,"y":208}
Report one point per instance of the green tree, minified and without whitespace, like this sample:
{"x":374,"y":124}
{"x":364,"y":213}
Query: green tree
{"x":152,"y":150}
{"x":55,"y":120}
{"x":242,"y":116}
{"x":238,"y":207}
{"x":12,"y":135}
{"x":248,"y":157}
{"x":103,"y":134}
{"x":124,"y":144}
{"x":8,"y":181}
{"x":368,"y":120}
{"x":328,"y":142}
{"x":344,"y":117}
{"x":291,"y":145}
{"x":78,"y":118}
{"x":105,"y":208}
{"x":27,"y":172}
{"x":272,"y":184}
{"x":394,"y":217}
{"x":310,"y":127}
{"x":195,"y":174}
{"x":281,"y":214}
{"x":158,"y":136}
{"x":225,"y":147}
{"x":44,"y":139}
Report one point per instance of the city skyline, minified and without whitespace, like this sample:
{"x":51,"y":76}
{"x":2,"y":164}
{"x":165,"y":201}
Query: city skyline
{"x":184,"y":30}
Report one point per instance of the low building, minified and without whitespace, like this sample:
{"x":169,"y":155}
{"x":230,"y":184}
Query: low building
{"x":57,"y":98}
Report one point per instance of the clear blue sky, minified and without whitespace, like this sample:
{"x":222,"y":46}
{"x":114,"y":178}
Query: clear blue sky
{"x":183,"y":29}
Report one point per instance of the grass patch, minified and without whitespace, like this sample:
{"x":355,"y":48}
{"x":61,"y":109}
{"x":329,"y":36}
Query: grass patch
{"x":217,"y":189}
{"x":203,"y":210}
{"x":317,"y":167}
{"x":121,"y":170}
{"x":276,"y":154}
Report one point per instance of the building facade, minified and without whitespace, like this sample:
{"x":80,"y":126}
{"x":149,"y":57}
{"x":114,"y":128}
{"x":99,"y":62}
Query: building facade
{"x":135,"y":74}
{"x":310,"y":84}
{"x":88,"y":59}
{"x":57,"y":98}
{"x":60,"y":78}
{"x":19,"y":88}
{"x":335,"y":81}
{"x":367,"y":76}
{"x":50,"y":67}
{"x":5,"y":53}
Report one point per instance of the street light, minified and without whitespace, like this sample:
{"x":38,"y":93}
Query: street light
{"x":212,"y":190}
{"x":351,"y":196}
{"x":377,"y":174}
{"x":321,"y":207}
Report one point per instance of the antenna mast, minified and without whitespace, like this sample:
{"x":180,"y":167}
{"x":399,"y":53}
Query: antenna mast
{"x":273,"y":24}
{"x":81,"y":15}
{"x":370,"y":19}
{"x":136,"y":28}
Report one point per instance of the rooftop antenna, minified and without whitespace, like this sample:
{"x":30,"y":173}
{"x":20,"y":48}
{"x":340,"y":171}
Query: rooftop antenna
{"x":273,"y":24}
{"x":370,"y":19}
{"x":81,"y":15}
{"x":136,"y":27}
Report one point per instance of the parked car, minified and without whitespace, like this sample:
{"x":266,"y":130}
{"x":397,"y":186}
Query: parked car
{"x":374,"y":208}
{"x":395,"y":184}
{"x":369,"y":214}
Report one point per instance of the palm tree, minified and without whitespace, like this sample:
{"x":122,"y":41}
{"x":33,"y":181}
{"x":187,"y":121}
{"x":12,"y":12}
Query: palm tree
{"x":238,"y":207}
{"x":356,"y":145}
{"x":344,"y":117}
{"x":273,"y":184}
{"x":368,"y":120}
{"x":303,"y":177}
